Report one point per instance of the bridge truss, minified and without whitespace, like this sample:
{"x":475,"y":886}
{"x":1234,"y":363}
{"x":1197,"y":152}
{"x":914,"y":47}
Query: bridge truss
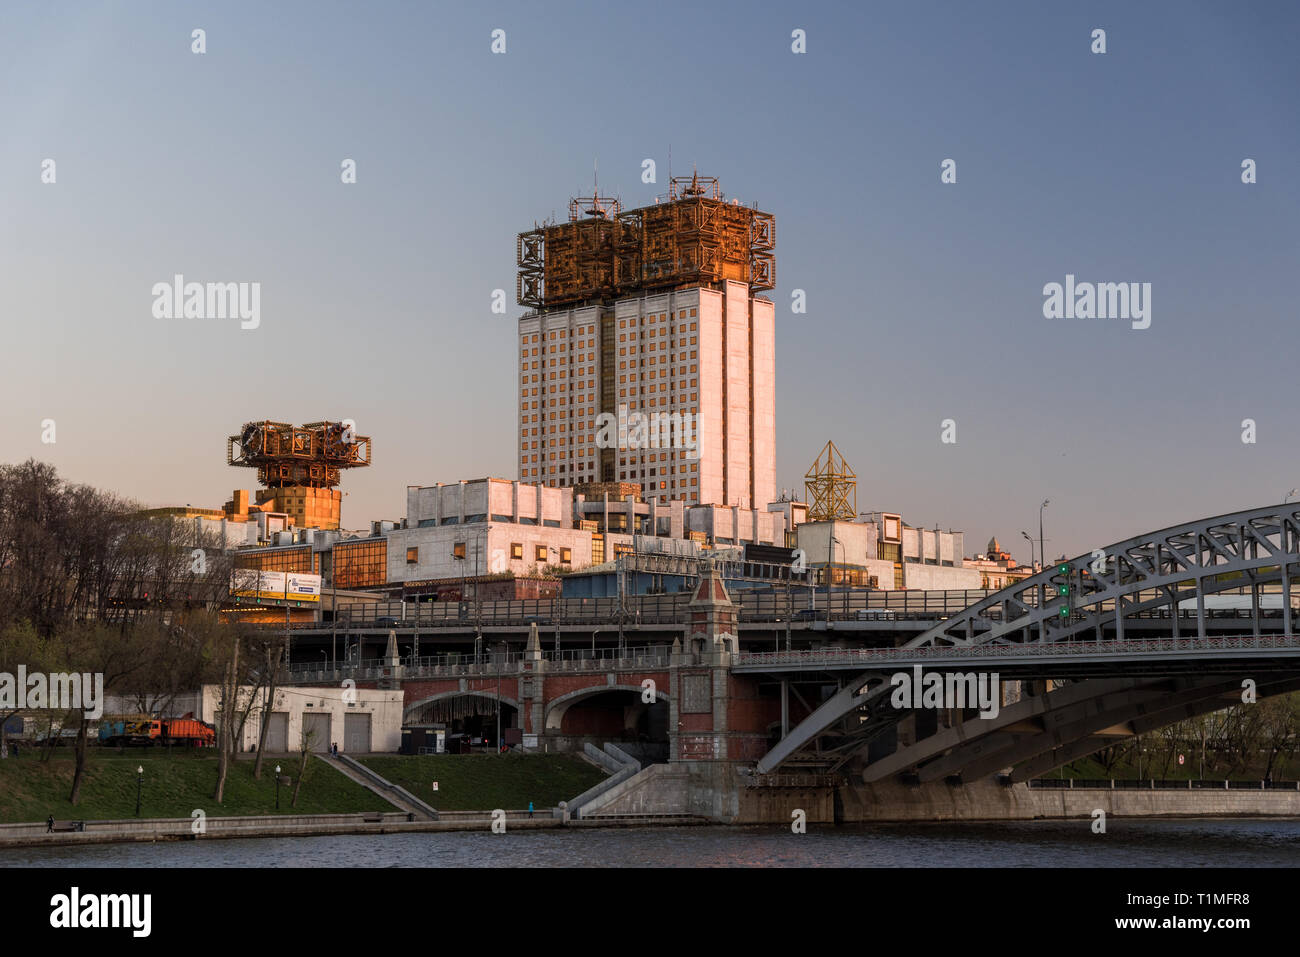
{"x":1072,"y":605}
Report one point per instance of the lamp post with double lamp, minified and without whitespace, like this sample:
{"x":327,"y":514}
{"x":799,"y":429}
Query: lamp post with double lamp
{"x":277,"y":787}
{"x":139,"y":786}
{"x":1032,"y":564}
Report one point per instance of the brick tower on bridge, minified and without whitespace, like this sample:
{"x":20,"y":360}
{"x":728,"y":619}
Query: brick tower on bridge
{"x":715,"y":716}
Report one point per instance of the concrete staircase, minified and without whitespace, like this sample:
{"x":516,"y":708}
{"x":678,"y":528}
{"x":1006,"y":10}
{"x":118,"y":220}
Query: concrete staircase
{"x":657,"y":791}
{"x":392,"y":793}
{"x":631,"y":792}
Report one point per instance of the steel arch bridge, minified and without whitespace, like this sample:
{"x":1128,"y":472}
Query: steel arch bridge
{"x":1100,"y":607}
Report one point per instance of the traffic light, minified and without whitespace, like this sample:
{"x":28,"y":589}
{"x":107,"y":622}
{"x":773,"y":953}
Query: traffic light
{"x":1063,"y":588}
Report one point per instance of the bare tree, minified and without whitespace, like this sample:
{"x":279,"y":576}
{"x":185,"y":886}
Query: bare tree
{"x":97,"y":649}
{"x":305,"y":743}
{"x":227,"y":707}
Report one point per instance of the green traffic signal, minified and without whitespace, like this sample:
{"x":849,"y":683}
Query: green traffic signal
{"x":1063,"y":589}
{"x":1065,"y":611}
{"x":1063,"y":569}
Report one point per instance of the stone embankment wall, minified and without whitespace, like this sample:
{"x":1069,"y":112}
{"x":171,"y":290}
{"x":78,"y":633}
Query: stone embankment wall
{"x":719,"y":791}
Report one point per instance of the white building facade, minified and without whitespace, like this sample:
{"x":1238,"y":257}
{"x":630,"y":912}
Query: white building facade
{"x":700,"y":362}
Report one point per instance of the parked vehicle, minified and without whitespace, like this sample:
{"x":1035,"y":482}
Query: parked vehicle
{"x":129,"y":729}
{"x":119,"y":730}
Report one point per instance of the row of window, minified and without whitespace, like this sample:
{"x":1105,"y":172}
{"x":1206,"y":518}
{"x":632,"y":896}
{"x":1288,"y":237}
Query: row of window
{"x":540,"y":553}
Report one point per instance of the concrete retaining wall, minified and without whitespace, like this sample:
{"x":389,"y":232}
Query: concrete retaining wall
{"x":990,"y":801}
{"x":717,"y":791}
{"x":658,"y":789}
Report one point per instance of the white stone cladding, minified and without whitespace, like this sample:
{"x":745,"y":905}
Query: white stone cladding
{"x":697,"y":352}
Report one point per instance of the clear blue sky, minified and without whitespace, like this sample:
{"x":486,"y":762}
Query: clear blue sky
{"x":924,"y":299}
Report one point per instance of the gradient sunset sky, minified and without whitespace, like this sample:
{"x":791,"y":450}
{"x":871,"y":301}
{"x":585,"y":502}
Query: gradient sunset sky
{"x":924,"y":299}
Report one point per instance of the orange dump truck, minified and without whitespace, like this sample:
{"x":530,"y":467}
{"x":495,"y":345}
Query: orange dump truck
{"x":188,"y":731}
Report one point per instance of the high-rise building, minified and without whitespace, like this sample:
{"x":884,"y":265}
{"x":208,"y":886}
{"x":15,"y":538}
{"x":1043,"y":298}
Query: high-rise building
{"x":649,"y":357}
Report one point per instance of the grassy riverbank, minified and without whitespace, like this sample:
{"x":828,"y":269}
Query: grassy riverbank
{"x":174,"y":785}
{"x":478,"y":782}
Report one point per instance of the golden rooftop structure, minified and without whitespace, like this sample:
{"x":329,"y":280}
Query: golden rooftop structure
{"x":603,"y":252}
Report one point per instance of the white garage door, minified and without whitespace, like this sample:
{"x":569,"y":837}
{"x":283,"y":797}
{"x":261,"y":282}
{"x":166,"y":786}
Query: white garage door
{"x":317,"y":726}
{"x":277,"y":732}
{"x":356,"y":733}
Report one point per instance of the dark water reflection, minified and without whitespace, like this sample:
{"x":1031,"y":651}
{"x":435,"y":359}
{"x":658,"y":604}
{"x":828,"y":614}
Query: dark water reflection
{"x":1215,"y":843}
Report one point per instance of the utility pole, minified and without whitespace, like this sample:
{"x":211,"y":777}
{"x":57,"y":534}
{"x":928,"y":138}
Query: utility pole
{"x":789,"y":608}
{"x":1042,"y":555}
{"x":478,"y":607}
{"x":830,"y":560}
{"x":286,"y":623}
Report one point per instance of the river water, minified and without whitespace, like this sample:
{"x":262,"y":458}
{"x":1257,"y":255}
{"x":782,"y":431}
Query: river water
{"x":1127,"y":843}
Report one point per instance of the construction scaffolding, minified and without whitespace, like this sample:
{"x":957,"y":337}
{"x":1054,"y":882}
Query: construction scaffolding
{"x":831,"y":487}
{"x":694,"y":237}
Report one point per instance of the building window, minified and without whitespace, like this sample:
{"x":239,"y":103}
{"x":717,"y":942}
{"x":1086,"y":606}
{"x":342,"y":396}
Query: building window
{"x":539,"y":553}
{"x":413,"y":555}
{"x":358,"y":564}
{"x":517,"y":550}
{"x":458,"y":550}
{"x":566,"y":556}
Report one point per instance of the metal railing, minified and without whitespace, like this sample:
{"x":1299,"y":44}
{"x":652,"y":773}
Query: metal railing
{"x":799,"y":604}
{"x":573,"y":659}
{"x":868,"y":656}
{"x":1159,"y":784}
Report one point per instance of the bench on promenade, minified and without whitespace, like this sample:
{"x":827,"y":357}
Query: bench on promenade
{"x":68,"y":827}
{"x":373,"y":817}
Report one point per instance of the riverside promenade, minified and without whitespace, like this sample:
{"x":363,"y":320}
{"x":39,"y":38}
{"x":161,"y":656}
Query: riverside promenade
{"x":148,"y":830}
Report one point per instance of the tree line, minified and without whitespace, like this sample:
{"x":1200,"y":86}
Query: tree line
{"x":92,"y":583}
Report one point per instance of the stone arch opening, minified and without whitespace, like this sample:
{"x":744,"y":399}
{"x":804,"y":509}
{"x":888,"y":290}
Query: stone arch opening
{"x":611,"y":713}
{"x":469,"y":718}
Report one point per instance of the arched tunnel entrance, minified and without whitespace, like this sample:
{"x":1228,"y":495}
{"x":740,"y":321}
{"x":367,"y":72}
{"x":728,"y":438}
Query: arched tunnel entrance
{"x":614,"y":714}
{"x":469,"y":718}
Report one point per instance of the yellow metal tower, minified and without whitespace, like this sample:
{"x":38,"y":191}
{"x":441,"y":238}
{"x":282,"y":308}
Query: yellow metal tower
{"x":831,"y":487}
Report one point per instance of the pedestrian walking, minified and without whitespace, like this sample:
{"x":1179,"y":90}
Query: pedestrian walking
{"x":530,"y":808}
{"x":49,"y":824}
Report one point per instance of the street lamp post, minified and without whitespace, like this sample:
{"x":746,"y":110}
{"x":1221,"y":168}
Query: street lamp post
{"x":789,"y":608}
{"x":498,"y":739}
{"x":277,"y":787}
{"x":478,"y":604}
{"x":1032,"y":564}
{"x":1294,"y":491}
{"x":830,"y":568}
{"x":1042,"y":555}
{"x":139,"y":786}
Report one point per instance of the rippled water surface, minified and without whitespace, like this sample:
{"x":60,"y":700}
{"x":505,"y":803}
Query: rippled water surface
{"x":1148,"y":843}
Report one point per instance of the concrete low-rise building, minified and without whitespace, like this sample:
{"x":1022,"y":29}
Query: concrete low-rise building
{"x":358,"y":720}
{"x":879,"y":550}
